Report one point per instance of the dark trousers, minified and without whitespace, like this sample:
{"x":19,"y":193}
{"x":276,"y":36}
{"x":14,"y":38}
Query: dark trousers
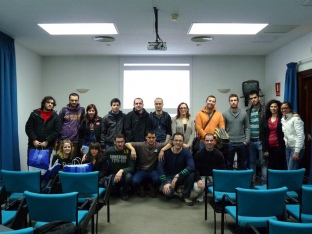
{"x":241,"y":149}
{"x":187,"y":181}
{"x":277,"y":158}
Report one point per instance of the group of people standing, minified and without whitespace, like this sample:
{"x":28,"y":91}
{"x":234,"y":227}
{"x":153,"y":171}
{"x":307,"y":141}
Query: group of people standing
{"x":139,"y":145}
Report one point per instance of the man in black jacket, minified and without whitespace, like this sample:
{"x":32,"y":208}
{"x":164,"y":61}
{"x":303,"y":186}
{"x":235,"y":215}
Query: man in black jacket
{"x":137,"y":122}
{"x":43,"y":126}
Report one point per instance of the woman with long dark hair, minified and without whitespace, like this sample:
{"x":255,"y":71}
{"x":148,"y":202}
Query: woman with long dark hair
{"x":293,"y":128}
{"x":184,"y":123}
{"x":273,"y":144}
{"x":90,"y":128}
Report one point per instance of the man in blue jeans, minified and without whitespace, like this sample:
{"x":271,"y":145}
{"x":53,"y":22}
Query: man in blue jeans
{"x":147,"y":154}
{"x":237,"y":127}
{"x":256,"y":115}
{"x":120,"y":166}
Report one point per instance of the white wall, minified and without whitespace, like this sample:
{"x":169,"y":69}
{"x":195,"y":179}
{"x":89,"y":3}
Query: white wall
{"x":275,"y":64}
{"x":29,"y":93}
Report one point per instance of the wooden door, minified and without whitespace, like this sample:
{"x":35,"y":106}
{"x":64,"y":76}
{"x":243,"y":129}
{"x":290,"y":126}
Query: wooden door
{"x":305,"y":111}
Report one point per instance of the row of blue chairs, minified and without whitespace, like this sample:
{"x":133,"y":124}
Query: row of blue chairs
{"x":233,"y":193}
{"x":77,"y":189}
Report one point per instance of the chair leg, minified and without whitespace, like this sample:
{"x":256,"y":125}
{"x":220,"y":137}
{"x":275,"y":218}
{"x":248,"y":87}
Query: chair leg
{"x":108,"y":211}
{"x":206,"y":201}
{"x":215,"y":221}
{"x":222,"y":220}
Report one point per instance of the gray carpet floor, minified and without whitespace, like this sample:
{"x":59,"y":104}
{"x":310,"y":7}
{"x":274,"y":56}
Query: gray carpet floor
{"x":157,"y":215}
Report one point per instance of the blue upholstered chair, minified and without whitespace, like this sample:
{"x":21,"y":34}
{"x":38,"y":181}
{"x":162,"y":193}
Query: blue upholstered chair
{"x":292,"y":179}
{"x":29,"y":230}
{"x":256,"y":207}
{"x":224,"y":183}
{"x":45,"y":208}
{"x":16,"y":182}
{"x":302,"y":211}
{"x":280,"y":227}
{"x":87,"y":186}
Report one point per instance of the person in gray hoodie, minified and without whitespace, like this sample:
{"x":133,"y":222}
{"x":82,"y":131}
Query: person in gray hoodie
{"x":237,"y":127}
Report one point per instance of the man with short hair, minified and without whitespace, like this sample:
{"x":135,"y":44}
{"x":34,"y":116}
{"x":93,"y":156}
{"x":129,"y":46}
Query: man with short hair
{"x":43,"y":126}
{"x":120,"y":166}
{"x":256,"y":113}
{"x":161,"y":121}
{"x":206,"y":160}
{"x":112,"y":124}
{"x":137,"y":122}
{"x":208,"y":113}
{"x":147,"y":155}
{"x":237,"y":127}
{"x":177,"y":168}
{"x":71,"y":117}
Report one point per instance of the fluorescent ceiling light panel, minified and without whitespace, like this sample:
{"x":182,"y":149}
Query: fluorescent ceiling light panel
{"x":239,"y":29}
{"x":80,"y":29}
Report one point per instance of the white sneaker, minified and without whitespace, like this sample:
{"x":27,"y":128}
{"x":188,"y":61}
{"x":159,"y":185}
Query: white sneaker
{"x":200,"y":198}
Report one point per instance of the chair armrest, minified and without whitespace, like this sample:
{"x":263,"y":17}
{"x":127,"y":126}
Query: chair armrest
{"x":255,"y":230}
{"x":83,"y":205}
{"x":225,"y":196}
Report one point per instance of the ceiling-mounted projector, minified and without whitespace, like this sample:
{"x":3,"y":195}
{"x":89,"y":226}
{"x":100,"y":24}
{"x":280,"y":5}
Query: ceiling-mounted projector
{"x":157,"y":46}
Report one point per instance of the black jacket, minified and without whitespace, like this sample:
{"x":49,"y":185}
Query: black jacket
{"x":136,"y":125}
{"x":161,"y":126}
{"x":110,"y":127}
{"x":84,"y":131}
{"x":266,"y":134}
{"x":38,"y":129}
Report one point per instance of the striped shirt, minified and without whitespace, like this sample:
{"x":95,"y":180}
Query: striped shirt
{"x":254,"y":123}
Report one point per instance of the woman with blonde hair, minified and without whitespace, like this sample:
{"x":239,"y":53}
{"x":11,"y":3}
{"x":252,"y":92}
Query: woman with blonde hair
{"x":65,"y":153}
{"x":184,"y":123}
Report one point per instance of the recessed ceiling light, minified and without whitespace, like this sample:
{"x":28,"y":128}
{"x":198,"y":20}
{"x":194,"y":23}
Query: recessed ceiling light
{"x":202,"y":38}
{"x":207,"y":28}
{"x":79,"y":29}
{"x":103,"y":39}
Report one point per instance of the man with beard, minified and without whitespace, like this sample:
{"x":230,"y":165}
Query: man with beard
{"x":208,"y":119}
{"x":237,"y":127}
{"x":137,"y":122}
{"x":71,"y":117}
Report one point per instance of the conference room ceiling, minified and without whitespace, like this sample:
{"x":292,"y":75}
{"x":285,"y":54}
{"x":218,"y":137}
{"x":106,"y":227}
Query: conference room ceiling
{"x":134,"y":19}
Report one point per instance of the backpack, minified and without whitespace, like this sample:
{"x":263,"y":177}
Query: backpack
{"x":57,"y":227}
{"x":222,"y":137}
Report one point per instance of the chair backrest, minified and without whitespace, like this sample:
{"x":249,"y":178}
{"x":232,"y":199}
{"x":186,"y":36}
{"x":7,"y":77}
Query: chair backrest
{"x":229,"y":180}
{"x":20,"y":181}
{"x":292,"y":179}
{"x":83,"y":183}
{"x":279,"y":227}
{"x":306,"y":200}
{"x":260,"y":203}
{"x":51,"y":207}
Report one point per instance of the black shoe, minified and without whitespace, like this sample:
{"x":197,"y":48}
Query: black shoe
{"x":124,"y":196}
{"x":141,"y":192}
{"x":154,"y":192}
{"x":188,"y":201}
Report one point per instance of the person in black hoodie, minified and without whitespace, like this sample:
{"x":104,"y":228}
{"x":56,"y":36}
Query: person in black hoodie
{"x":43,"y":126}
{"x":137,"y":122}
{"x":90,"y":129}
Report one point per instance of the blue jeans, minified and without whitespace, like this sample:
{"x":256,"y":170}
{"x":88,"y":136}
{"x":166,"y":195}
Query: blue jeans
{"x":255,"y":149}
{"x":187,"y":181}
{"x":124,"y":184}
{"x":140,"y":175}
{"x":241,"y":149}
{"x":291,"y":164}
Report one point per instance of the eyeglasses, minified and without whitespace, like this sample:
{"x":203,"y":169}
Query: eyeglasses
{"x":183,"y":108}
{"x":177,"y":140}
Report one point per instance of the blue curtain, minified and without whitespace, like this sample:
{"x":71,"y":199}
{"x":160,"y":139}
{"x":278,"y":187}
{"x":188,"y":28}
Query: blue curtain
{"x":291,"y":86}
{"x":9,"y":148}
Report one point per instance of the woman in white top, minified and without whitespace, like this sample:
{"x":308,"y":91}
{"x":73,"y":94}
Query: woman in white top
{"x":293,"y":128}
{"x":184,"y":123}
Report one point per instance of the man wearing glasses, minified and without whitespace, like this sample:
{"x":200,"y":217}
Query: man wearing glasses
{"x":177,"y":168}
{"x":71,"y":117}
{"x":120,"y":166}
